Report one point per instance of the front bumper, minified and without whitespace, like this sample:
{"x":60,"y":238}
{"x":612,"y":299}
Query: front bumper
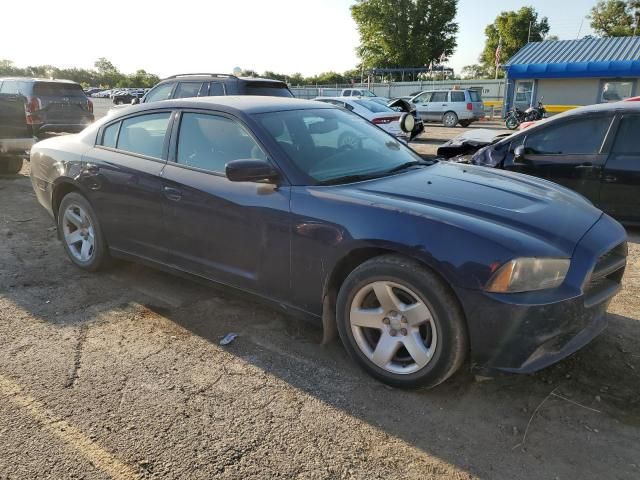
{"x":525,"y":332}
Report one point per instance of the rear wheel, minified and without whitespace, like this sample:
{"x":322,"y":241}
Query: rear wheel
{"x":450,"y":119}
{"x":10,"y":165}
{"x":511,"y":122}
{"x":401,"y":323}
{"x":81,"y":234}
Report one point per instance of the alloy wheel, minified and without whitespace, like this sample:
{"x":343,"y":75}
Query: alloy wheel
{"x":393,"y":327}
{"x":79,"y":233}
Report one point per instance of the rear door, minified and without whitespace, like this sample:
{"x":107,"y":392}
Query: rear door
{"x":620,"y":191}
{"x":61,"y":103}
{"x":122,"y":174}
{"x":571,"y":153}
{"x":438,"y":105}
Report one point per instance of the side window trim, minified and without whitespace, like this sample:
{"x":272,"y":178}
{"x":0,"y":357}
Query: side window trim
{"x":165,"y":145}
{"x":175,"y":136}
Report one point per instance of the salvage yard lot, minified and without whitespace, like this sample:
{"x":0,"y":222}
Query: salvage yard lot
{"x":120,"y":375}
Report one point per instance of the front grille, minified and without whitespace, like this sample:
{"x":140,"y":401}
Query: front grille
{"x":606,"y":277}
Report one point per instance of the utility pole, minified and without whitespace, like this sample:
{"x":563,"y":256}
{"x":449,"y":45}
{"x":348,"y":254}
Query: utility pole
{"x":529,"y":36}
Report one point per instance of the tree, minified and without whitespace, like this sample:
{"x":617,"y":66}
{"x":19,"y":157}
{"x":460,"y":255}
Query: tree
{"x":516,"y":29}
{"x":615,"y":18}
{"x":475,"y":72}
{"x":404,"y":33}
{"x":108,"y":74}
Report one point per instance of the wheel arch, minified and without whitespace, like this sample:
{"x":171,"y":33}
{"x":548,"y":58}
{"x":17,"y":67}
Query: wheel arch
{"x":347,"y":264}
{"x":61,"y":188}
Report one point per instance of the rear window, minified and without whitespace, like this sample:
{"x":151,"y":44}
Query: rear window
{"x":457,"y":96}
{"x":474,"y":96}
{"x":374,"y":107}
{"x":267,"y":89}
{"x":55,"y":89}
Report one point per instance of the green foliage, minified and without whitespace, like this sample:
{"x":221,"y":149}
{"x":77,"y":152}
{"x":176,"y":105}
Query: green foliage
{"x":477,"y":71}
{"x":105,"y":74}
{"x":513,"y":27}
{"x":615,"y":18}
{"x":404,"y":33}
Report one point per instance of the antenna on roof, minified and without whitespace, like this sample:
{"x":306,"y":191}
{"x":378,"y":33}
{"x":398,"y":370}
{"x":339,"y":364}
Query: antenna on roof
{"x":580,"y":29}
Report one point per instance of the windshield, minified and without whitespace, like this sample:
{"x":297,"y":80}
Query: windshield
{"x":372,"y":106}
{"x":367,"y":93}
{"x":336,"y":146}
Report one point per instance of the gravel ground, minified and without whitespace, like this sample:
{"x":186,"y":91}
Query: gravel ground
{"x":120,"y":375}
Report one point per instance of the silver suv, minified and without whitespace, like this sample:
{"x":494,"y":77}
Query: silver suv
{"x":449,"y":106}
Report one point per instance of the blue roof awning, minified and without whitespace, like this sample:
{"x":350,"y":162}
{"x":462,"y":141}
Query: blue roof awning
{"x":610,"y":69}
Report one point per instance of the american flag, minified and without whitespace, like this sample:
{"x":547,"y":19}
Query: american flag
{"x":499,"y":52}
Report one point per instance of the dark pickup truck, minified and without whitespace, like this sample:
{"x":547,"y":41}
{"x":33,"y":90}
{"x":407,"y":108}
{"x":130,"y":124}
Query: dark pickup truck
{"x":16,"y":136}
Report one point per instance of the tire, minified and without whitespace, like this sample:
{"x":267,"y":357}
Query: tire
{"x":465,"y":123}
{"x":435,"y":330}
{"x":79,"y":228}
{"x":450,"y":119}
{"x":511,"y":122}
{"x":10,"y":165}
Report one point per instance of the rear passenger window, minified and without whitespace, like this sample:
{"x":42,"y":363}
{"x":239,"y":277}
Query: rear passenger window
{"x":210,"y":141}
{"x":9,"y":86}
{"x":627,"y":137}
{"x":144,"y":134}
{"x":457,"y":97}
{"x":110,"y":135}
{"x":187,"y":89}
{"x":216,"y":89}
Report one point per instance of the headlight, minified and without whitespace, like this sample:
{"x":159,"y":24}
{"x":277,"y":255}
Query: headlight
{"x":528,"y":274}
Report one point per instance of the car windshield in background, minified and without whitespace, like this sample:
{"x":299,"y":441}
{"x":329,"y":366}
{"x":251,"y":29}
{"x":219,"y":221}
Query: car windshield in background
{"x":333,"y":146}
{"x":268,"y":89}
{"x":374,"y":107}
{"x":475,"y":96}
{"x":55,"y":89}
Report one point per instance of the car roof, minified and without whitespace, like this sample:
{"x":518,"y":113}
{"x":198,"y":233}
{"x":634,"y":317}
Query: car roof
{"x":35,"y":79}
{"x":214,"y":76}
{"x":248,"y":104}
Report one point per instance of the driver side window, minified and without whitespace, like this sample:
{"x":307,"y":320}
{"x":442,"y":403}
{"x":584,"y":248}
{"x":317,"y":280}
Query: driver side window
{"x":209,"y":142}
{"x":424,"y":98}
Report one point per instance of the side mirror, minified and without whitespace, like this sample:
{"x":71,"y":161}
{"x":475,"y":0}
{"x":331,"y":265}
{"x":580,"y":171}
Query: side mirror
{"x":135,"y":101}
{"x":407,"y":123}
{"x":518,"y":153}
{"x":250,"y":170}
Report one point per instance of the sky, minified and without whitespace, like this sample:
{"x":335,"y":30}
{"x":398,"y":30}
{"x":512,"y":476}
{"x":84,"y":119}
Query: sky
{"x":286,"y":36}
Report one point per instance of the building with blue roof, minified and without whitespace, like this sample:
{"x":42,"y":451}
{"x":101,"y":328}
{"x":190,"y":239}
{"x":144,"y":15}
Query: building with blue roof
{"x":569,"y":73}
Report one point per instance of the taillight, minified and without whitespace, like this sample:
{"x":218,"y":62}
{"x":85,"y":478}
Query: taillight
{"x":469,"y":106}
{"x":384,"y":120}
{"x":31,"y":107}
{"x":90,"y":105}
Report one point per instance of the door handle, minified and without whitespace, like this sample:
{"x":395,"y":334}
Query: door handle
{"x":585,"y":166}
{"x":172,"y":193}
{"x":610,"y":178}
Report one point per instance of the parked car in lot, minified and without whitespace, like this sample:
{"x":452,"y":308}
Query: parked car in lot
{"x":379,"y":114}
{"x":357,"y":92}
{"x":418,"y":263}
{"x":126,"y":96}
{"x":593,"y":150}
{"x":16,"y":136}
{"x":51,"y":105}
{"x":450,"y":106}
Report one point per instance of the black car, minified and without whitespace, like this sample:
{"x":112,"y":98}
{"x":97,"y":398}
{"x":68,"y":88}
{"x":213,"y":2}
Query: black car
{"x":51,"y":105}
{"x":16,"y":136}
{"x":213,"y":85}
{"x":418,"y":264}
{"x":127,"y":96}
{"x":593,"y":150}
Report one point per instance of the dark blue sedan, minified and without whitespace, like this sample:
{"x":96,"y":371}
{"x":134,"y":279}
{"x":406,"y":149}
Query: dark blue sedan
{"x":418,"y":264}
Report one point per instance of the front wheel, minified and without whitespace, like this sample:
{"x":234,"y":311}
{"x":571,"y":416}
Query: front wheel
{"x":81,"y":234}
{"x":401,"y":323}
{"x":511,"y":122}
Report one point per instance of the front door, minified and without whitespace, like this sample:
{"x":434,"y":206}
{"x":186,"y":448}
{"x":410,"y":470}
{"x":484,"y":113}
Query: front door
{"x":569,"y":153}
{"x":620,"y":191}
{"x":236,"y":233}
{"x":438,"y":105}
{"x":122,"y":175}
{"x":422,"y":104}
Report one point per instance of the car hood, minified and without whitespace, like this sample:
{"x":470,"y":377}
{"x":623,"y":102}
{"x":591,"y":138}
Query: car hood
{"x":472,"y":196}
{"x":469,"y":142}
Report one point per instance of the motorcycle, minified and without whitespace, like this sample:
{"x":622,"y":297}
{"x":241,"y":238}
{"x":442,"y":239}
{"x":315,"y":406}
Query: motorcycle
{"x":516,"y":116}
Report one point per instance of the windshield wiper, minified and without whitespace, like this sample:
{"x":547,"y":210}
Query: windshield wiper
{"x":350,"y":179}
{"x":404,"y":166}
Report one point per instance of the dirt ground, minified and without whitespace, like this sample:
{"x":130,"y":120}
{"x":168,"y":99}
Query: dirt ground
{"x":120,"y":375}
